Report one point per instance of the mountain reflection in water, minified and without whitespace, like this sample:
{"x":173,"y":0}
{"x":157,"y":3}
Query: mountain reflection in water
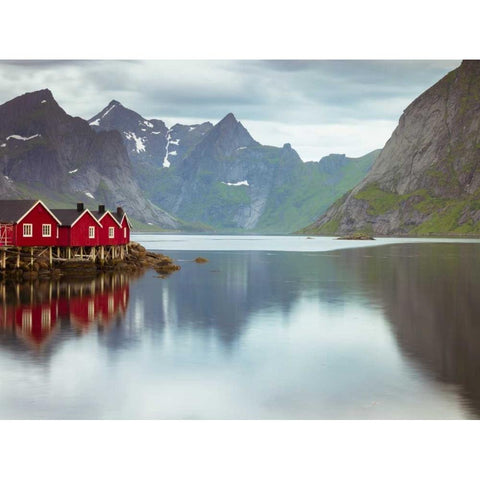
{"x":385,"y":332}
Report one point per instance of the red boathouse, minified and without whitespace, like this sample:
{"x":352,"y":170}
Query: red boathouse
{"x":27,"y":223}
{"x":116,"y":226}
{"x":79,"y":228}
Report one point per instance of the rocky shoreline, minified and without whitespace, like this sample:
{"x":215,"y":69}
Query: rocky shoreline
{"x":137,"y":259}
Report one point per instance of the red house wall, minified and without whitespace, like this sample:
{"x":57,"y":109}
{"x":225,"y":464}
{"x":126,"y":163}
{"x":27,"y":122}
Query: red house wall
{"x":79,"y":232}
{"x":37,"y":217}
{"x":63,"y":236}
{"x":125,"y":225}
{"x":107,"y":221}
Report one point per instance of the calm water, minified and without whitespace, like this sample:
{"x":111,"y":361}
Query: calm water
{"x":269,"y":328}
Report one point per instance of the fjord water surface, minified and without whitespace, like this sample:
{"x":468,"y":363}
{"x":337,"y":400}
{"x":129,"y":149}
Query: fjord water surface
{"x":269,"y":328}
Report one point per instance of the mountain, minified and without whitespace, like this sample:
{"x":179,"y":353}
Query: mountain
{"x":148,"y":142}
{"x":232,"y":182}
{"x":48,"y":154}
{"x":220,"y":176}
{"x":426,"y":180}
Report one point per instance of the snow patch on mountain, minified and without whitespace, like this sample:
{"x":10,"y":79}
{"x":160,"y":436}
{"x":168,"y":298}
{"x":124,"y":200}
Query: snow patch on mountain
{"x":19,"y":137}
{"x":237,"y":184}
{"x":139,"y":145}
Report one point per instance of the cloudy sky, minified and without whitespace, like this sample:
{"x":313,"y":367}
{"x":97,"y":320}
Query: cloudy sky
{"x":320,"y":107}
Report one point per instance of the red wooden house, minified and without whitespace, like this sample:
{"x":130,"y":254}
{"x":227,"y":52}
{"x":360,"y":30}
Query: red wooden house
{"x":116,"y":226}
{"x":79,"y":227}
{"x":27,"y":223}
{"x":125,"y":225}
{"x":111,"y":228}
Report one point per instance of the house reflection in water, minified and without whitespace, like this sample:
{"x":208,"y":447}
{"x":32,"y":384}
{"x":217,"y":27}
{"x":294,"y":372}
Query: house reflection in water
{"x":33,"y":311}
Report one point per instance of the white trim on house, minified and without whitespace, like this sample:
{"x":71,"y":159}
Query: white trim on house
{"x":27,"y":230}
{"x":33,"y":206}
{"x":83,"y":213}
{"x":46,"y":230}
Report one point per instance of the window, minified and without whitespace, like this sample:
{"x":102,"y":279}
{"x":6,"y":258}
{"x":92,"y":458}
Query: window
{"x":111,"y":232}
{"x":46,"y":318}
{"x":27,"y":320}
{"x":46,"y":230}
{"x":91,"y":232}
{"x":27,"y":229}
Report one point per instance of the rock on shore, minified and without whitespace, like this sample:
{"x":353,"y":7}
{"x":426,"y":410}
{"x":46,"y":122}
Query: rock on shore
{"x":137,"y":259}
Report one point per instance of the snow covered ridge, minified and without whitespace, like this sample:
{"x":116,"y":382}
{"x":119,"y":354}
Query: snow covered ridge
{"x":73,"y":171}
{"x":238,"y":184}
{"x":139,"y":145}
{"x":88,"y":194}
{"x":19,"y":137}
{"x":97,"y":121}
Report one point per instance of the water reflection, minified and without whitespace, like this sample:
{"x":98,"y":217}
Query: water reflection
{"x":35,"y":311}
{"x":385,"y":332}
{"x":430,"y":296}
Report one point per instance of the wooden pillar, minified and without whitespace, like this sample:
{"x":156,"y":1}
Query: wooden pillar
{"x":31,"y":256}
{"x":4,"y":258}
{"x":69,"y":253}
{"x":18,"y":258}
{"x":81,"y":253}
{"x":121,"y":252}
{"x":102,"y":254}
{"x":50,"y":258}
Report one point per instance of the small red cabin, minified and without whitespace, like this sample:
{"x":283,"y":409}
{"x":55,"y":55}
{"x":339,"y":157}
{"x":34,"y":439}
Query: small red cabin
{"x":116,"y":227}
{"x":110,"y":234}
{"x":27,"y":223}
{"x":125,"y":225}
{"x":79,"y":228}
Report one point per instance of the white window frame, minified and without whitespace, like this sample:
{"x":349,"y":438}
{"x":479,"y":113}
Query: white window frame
{"x":46,"y":318}
{"x":28,"y":230}
{"x":111,"y":232}
{"x":46,"y":230}
{"x":91,"y":232}
{"x":27,"y":319}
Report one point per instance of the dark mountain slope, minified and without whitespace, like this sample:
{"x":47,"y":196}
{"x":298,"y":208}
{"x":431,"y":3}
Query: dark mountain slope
{"x":426,"y":179}
{"x":45,"y":151}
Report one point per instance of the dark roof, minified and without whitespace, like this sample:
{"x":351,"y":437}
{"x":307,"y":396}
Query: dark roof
{"x":98,"y":215}
{"x":67,"y":215}
{"x":12,"y":210}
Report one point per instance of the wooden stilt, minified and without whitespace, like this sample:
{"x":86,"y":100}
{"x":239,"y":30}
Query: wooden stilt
{"x":4,"y":259}
{"x":18,"y":258}
{"x":69,"y":253}
{"x":31,"y":256}
{"x":50,"y":256}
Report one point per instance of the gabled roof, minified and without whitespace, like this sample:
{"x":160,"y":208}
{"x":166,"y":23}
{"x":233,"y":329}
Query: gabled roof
{"x":99,"y":215}
{"x":70,"y":216}
{"x":120,"y":218}
{"x":13,"y":211}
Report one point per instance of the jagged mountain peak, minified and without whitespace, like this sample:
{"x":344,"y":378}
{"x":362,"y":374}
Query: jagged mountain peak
{"x":224,"y":138}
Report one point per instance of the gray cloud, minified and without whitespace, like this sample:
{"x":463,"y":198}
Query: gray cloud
{"x":275,"y":97}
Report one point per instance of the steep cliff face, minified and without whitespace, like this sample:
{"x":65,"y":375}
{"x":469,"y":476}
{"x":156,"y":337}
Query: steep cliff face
{"x":44,"y":151}
{"x":426,"y":180}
